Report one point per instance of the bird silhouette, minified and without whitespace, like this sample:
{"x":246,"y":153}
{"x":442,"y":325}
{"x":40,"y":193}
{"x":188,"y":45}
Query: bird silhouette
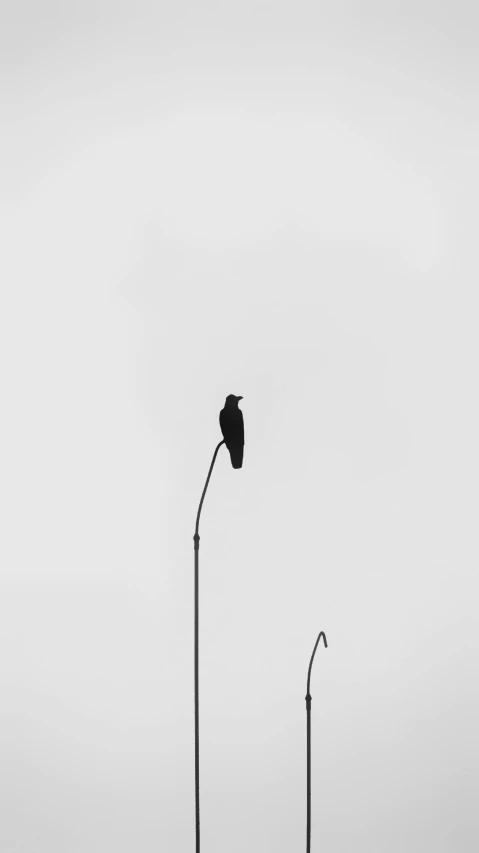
{"x":232,"y":427}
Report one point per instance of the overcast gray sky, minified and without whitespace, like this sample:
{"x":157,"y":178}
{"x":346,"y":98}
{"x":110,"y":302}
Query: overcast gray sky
{"x":275,"y":200}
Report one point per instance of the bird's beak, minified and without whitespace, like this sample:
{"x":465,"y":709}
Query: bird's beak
{"x":239,"y":398}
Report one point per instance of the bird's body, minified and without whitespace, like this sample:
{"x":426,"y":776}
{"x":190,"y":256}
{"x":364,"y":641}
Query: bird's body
{"x":232,"y":427}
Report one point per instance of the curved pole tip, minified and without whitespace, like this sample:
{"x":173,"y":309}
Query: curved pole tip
{"x":323,"y":635}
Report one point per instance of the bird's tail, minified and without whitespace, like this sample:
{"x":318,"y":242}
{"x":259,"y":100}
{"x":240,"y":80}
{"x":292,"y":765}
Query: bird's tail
{"x":236,"y":454}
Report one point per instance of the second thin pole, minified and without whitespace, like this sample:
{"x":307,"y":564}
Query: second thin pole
{"x":308,"y":746}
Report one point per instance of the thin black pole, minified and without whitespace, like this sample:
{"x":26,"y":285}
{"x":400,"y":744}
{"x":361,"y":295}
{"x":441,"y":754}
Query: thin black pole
{"x":308,"y":746}
{"x":196,"y":538}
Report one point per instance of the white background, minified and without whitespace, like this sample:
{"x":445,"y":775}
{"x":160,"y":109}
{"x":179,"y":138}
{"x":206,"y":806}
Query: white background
{"x":275,"y":200}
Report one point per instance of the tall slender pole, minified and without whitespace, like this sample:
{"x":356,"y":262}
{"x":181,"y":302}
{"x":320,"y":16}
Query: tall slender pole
{"x":308,"y":773}
{"x":308,"y":746}
{"x":196,"y":539}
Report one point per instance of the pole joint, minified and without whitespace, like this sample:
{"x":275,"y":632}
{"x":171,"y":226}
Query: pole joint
{"x":308,"y":701}
{"x":196,"y":538}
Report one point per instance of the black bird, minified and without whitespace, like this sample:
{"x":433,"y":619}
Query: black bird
{"x":232,"y":427}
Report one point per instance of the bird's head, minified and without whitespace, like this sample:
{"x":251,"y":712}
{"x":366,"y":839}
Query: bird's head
{"x":232,"y":400}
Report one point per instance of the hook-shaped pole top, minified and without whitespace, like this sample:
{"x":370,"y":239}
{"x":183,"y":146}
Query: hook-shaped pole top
{"x":323,"y":635}
{"x":196,"y":536}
